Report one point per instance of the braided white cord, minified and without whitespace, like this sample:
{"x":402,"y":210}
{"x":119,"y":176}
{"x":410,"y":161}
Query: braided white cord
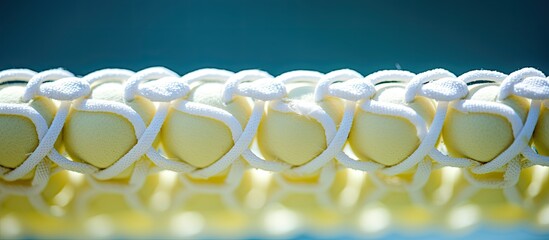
{"x":277,"y":104}
{"x":482,"y":107}
{"x":368,"y":165}
{"x":167,"y":89}
{"x":242,"y":139}
{"x":442,"y":90}
{"x":67,"y":88}
{"x":522,"y":132}
{"x":145,"y":135}
{"x":335,"y":139}
{"x":439,"y":85}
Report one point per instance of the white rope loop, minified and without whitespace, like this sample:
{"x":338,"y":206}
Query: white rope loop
{"x":351,"y":87}
{"x":163,"y":86}
{"x":63,"y":88}
{"x":93,"y":79}
{"x":198,"y":109}
{"x":34,"y":84}
{"x":40,"y":180}
{"x":369,"y":105}
{"x":528,"y":83}
{"x":145,"y":134}
{"x":300,"y":76}
{"x":207,"y":74}
{"x":429,"y":85}
{"x":312,"y":110}
{"x":391,"y":109}
{"x":390,"y":76}
{"x":522,"y":83}
{"x":482,"y":75}
{"x":440,"y":85}
{"x":279,"y":105}
{"x":444,"y":87}
{"x":526,"y":130}
{"x":132,"y":85}
{"x":16,"y":75}
{"x":470,"y":167}
{"x":334,"y":139}
{"x":507,"y":87}
{"x":202,"y":110}
{"x":144,"y":142}
{"x":255,"y":84}
{"x":242,"y":138}
{"x":260,"y":87}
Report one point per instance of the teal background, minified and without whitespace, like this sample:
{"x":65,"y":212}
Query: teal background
{"x":276,"y":36}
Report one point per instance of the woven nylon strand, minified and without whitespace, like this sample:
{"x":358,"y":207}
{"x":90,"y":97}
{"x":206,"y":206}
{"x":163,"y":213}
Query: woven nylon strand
{"x":269,"y":93}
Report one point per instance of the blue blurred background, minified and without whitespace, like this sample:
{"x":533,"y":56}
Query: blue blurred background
{"x":275,"y":36}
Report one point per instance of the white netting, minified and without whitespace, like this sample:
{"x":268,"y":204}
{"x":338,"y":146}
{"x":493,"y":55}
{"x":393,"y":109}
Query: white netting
{"x":169,"y":91}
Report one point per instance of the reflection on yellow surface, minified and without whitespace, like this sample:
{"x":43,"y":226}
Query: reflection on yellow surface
{"x":258,"y":206}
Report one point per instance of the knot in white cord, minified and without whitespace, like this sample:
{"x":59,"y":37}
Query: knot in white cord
{"x":165,"y":89}
{"x":67,"y":87}
{"x":438,"y":84}
{"x":344,"y":83}
{"x":145,"y":135}
{"x":160,"y":91}
{"x":528,"y":88}
{"x":263,"y":86}
{"x":536,"y":88}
